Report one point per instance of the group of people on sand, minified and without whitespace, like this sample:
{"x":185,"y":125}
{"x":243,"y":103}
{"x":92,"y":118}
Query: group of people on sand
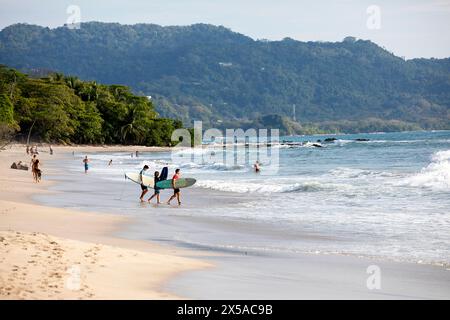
{"x":34,"y":150}
{"x":35,"y":163}
{"x":156,"y":193}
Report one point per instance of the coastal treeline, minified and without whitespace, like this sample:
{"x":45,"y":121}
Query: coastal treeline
{"x":64,"y":109}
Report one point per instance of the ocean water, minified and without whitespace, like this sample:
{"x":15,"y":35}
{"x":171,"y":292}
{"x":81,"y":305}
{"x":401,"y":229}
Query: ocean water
{"x":387,"y":198}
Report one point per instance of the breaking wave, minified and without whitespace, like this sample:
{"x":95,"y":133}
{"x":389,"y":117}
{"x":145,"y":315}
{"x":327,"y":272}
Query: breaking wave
{"x":436,"y":175}
{"x":258,"y":187}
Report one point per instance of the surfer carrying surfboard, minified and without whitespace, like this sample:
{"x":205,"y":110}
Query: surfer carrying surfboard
{"x":156,"y":188}
{"x":176,"y":191}
{"x":144,"y":188}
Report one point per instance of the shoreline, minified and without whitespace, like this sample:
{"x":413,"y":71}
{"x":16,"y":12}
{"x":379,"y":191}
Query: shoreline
{"x":236,"y":275}
{"x":41,"y":247}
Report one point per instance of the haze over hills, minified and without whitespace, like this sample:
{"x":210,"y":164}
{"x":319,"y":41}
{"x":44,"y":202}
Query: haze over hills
{"x":222,"y":77}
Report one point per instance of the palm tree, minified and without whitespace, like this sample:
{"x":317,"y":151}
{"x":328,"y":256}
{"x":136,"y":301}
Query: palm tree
{"x":132,"y":129}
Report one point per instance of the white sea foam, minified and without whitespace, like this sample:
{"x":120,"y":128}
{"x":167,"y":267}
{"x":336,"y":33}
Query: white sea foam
{"x":262,"y":187}
{"x":342,"y":142}
{"x":211,"y":166}
{"x":194,"y":151}
{"x":107,"y":156}
{"x":352,"y":173}
{"x":283,"y":146}
{"x":310,"y":145}
{"x":436,"y":175}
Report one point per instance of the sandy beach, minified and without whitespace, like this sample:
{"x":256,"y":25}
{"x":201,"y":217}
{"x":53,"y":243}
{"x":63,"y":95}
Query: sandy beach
{"x":53,"y":253}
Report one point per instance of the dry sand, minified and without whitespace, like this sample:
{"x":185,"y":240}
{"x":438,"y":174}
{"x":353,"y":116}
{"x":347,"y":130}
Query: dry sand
{"x":53,"y":253}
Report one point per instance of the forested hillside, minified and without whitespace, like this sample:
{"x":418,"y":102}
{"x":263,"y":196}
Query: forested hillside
{"x":209,"y":73}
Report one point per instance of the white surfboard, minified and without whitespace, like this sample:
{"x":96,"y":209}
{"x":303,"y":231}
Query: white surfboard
{"x":146,"y":180}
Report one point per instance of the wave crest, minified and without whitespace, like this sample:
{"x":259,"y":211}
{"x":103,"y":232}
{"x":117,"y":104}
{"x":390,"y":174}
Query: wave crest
{"x":258,"y":187}
{"x":436,"y":175}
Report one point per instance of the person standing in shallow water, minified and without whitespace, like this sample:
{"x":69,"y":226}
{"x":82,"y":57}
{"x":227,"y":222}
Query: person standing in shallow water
{"x":86,"y":164}
{"x":257,"y":167}
{"x":176,"y":191}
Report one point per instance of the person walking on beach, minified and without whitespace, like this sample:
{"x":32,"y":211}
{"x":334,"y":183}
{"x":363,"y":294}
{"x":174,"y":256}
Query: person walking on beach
{"x":176,"y":191}
{"x":32,"y":165}
{"x":36,"y":171}
{"x":51,"y":150}
{"x":86,"y":164}
{"x":144,"y":188}
{"x":157,"y":190}
{"x":28,"y":149}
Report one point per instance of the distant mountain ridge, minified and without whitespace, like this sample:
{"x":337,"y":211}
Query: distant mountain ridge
{"x":210,"y":73}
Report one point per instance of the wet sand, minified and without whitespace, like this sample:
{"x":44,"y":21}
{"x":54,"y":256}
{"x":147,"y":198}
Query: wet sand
{"x":310,"y":276}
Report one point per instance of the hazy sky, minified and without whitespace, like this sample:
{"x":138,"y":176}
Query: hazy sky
{"x":410,"y":28}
